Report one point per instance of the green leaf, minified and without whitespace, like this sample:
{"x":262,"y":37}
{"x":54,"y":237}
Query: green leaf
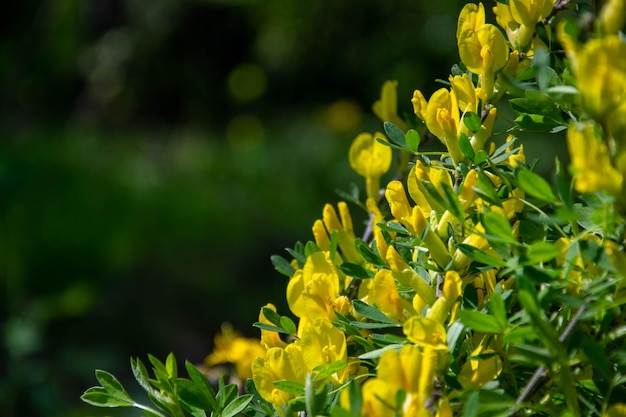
{"x":337,"y":411}
{"x":298,"y":254}
{"x":471,"y":405}
{"x":375,"y":354}
{"x":535,"y":102}
{"x":370,"y":312}
{"x":325,"y":370}
{"x":194,"y":395}
{"x":203,"y":385}
{"x":393,"y":227}
{"x":498,"y":309}
{"x":479,"y":256}
{"x":112,"y":385}
{"x":367,"y":325}
{"x":531,"y":231}
{"x":537,"y":275}
{"x":436,"y":197}
{"x":466,"y":147}
{"x":486,"y":190}
{"x":472,"y":121}
{"x":454,"y":334}
{"x":158,"y":366}
{"x":99,"y":397}
{"x":368,"y":254}
{"x":171,"y":366}
{"x":539,"y":123}
{"x":226,"y":393}
{"x":356,"y":397}
{"x":395,"y":134}
{"x":539,"y":252}
{"x":288,"y":324}
{"x":481,"y":156}
{"x":413,"y":140}
{"x":497,"y":228}
{"x":311,"y":248}
{"x":290,"y":387}
{"x":272,"y":316}
{"x":520,"y":335}
{"x":452,"y":202}
{"x":355,"y":270}
{"x":282,"y":265}
{"x":480,"y":322}
{"x":386,"y":339}
{"x":237,"y":406}
{"x":315,"y":399}
{"x":141,"y":374}
{"x":535,"y":185}
{"x":597,"y":356}
{"x":562,"y":183}
{"x":264,"y":326}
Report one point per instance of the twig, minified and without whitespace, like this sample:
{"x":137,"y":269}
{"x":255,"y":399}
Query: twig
{"x":539,"y":376}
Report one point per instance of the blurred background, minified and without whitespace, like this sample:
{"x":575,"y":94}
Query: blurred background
{"x":155,"y":153}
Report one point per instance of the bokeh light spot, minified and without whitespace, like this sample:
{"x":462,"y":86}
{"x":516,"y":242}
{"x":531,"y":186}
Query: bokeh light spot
{"x":247,"y":82}
{"x":245,"y":132}
{"x":342,"y":116}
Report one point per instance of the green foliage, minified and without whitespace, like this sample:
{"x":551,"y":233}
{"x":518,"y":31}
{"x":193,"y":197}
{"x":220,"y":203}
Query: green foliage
{"x":479,"y":288}
{"x":169,"y":394}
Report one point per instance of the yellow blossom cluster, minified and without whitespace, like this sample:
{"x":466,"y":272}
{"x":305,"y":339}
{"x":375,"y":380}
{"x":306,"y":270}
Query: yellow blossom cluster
{"x":447,"y":234}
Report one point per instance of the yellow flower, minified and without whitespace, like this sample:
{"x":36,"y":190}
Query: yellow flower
{"x":436,"y":175}
{"x":231,"y":347}
{"x":344,"y":229}
{"x":410,"y":217}
{"x":269,"y":339}
{"x":413,"y":219}
{"x":465,"y":93}
{"x":322,"y":343}
{"x":471,"y":18}
{"x":616,"y":410}
{"x":527,"y":13}
{"x":371,"y":160}
{"x":387,"y":299}
{"x":276,"y":365}
{"x":313,"y":292}
{"x":484,"y":51}
{"x":386,"y":108}
{"x":408,"y":277}
{"x":443,"y":120}
{"x":601,"y":72}
{"x":591,"y":162}
{"x":426,"y":332}
{"x":412,"y":370}
{"x":419,"y":104}
{"x":447,"y":304}
{"x":477,"y":372}
{"x":482,"y":47}
{"x":612,"y":16}
{"x":321,"y":235}
{"x":377,"y":218}
{"x":486,"y":129}
{"x":476,"y":240}
{"x":506,"y":21}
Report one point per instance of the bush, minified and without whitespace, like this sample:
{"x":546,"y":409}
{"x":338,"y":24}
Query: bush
{"x":477,"y":287}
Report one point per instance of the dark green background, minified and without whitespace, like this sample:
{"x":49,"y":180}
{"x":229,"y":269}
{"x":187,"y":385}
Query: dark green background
{"x":132,"y":219}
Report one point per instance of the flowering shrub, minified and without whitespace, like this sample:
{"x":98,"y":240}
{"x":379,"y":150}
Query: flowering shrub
{"x":477,"y":287}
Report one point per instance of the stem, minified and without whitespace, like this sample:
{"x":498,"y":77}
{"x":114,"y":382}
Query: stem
{"x":540,"y":375}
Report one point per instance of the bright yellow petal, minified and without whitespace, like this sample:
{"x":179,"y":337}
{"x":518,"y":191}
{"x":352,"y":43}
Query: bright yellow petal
{"x":477,"y":372}
{"x":426,"y":332}
{"x":590,"y":161}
